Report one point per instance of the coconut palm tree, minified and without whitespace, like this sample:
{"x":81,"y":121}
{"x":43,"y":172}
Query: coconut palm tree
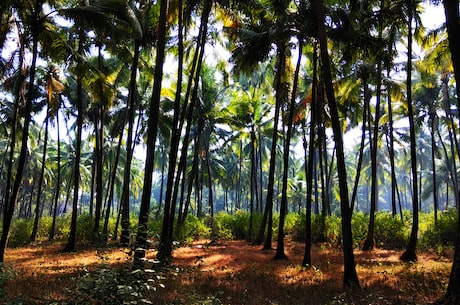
{"x":451,"y":9}
{"x":350,"y":276}
{"x":31,"y":14}
{"x":141,"y":237}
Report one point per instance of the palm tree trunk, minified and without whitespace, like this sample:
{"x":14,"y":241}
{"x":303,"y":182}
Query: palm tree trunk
{"x":367,"y":98}
{"x":125,"y":236}
{"x":141,"y":237}
{"x":33,"y":235}
{"x":310,"y":162}
{"x":99,"y":152}
{"x":281,"y":58}
{"x":58,"y":181}
{"x":109,"y":199}
{"x":409,"y":254}
{"x":369,"y":241}
{"x":433,"y":167}
{"x":253,"y":183}
{"x":350,"y":276}
{"x":451,"y":8}
{"x":71,"y":243}
{"x":280,"y":254}
{"x":177,"y":124}
{"x":391,"y":152}
{"x":11,"y":201}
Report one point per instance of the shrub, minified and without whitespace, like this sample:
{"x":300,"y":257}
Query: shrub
{"x":359,"y":225}
{"x":390,"y":232}
{"x":289,"y":223}
{"x":193,"y":229}
{"x":85,"y":227}
{"x":6,"y":274}
{"x":20,"y":232}
{"x":327,"y":230}
{"x":236,"y":223}
{"x":442,"y":234}
{"x":112,"y":286}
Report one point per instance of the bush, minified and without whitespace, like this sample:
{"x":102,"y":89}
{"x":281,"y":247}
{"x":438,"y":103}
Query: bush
{"x":112,"y":286}
{"x":6,"y":274}
{"x":20,"y":232}
{"x":390,"y":232}
{"x":327,"y":230}
{"x":236,"y":223}
{"x":85,"y":227}
{"x":359,"y":227}
{"x":193,"y":229}
{"x":442,"y":234}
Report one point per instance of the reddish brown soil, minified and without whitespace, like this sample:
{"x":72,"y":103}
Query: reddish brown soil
{"x":236,"y":272}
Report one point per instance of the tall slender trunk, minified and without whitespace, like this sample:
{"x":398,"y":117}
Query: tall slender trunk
{"x":33,"y":235}
{"x":433,"y":164}
{"x":141,"y":237}
{"x":176,"y":125}
{"x":111,"y":189}
{"x":310,"y":162}
{"x":281,"y":59}
{"x":367,"y":98}
{"x":451,"y":8}
{"x":452,"y":136}
{"x":10,"y":202}
{"x":253,"y":183}
{"x":99,"y":151}
{"x":187,"y":114}
{"x":58,"y":181}
{"x":350,"y":276}
{"x":410,"y":253}
{"x":391,"y":152}
{"x":71,"y":243}
{"x":280,"y":254}
{"x":125,"y":236}
{"x":369,"y":241}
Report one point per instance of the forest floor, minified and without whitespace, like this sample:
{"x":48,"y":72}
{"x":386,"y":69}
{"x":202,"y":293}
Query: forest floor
{"x":236,"y":272}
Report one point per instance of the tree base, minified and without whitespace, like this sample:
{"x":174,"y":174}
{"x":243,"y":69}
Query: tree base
{"x":409,"y":257}
{"x":368,"y":245}
{"x":280,"y":256}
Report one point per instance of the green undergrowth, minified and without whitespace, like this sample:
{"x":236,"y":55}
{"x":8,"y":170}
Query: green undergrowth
{"x":390,"y":232}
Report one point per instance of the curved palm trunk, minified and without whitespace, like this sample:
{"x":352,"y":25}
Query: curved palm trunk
{"x":253,"y":183}
{"x":268,"y":213}
{"x":33,"y":235}
{"x":310,"y":162}
{"x":367,"y":98}
{"x":433,"y":165}
{"x":409,"y":254}
{"x":350,"y":277}
{"x":452,"y":137}
{"x":165,"y":247}
{"x":124,"y":203}
{"x":280,"y":254}
{"x":141,"y":237}
{"x":176,"y":125}
{"x":369,"y":242}
{"x":11,"y":201}
{"x":451,"y":8}
{"x":109,"y":200}
{"x":99,"y":151}
{"x":391,"y":152}
{"x":187,"y":116}
{"x":58,"y":181}
{"x":71,"y":243}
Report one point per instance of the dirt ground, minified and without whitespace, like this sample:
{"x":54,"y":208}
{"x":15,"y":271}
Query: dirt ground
{"x":236,"y":272}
